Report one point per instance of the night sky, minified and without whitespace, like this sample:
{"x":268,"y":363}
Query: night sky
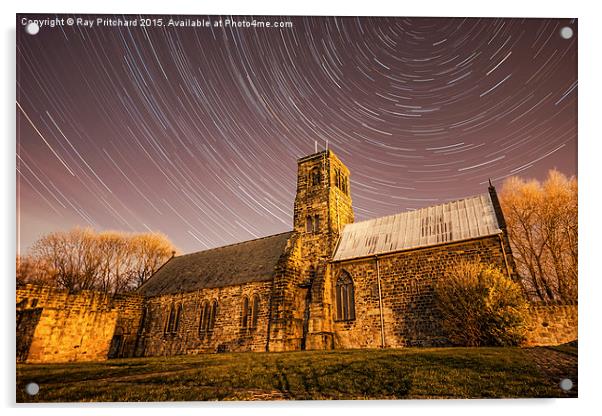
{"x":195,"y":132}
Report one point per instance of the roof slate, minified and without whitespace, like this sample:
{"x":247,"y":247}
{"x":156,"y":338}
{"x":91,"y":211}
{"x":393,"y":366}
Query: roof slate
{"x":463,"y":219}
{"x":249,"y":261}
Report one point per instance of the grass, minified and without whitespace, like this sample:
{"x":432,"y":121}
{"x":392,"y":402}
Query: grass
{"x":409,"y":373}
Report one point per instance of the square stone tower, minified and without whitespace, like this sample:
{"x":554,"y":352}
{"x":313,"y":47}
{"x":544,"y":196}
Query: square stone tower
{"x":322,"y":208}
{"x":301,"y":309}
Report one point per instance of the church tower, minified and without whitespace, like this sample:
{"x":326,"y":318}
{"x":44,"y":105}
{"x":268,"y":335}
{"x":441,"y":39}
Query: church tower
{"x":301,"y":303}
{"x":322,"y":208}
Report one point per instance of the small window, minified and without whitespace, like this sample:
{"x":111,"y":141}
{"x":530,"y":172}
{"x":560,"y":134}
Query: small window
{"x":250,"y":312}
{"x":345,"y":298}
{"x":316,"y":224}
{"x":171,"y":318}
{"x":255,"y":312}
{"x":208,"y":316}
{"x":203,"y":319}
{"x":176,"y":325}
{"x":245,"y":312}
{"x":212,"y":317}
{"x":316,"y":177}
{"x":309,"y":224}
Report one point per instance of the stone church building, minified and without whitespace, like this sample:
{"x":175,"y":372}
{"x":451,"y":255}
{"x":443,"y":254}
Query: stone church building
{"x":329,"y":283}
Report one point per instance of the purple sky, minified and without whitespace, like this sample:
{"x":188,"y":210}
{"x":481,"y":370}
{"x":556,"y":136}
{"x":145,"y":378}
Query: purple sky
{"x":195,"y":132}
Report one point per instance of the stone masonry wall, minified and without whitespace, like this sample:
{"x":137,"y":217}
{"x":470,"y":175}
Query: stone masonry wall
{"x":552,"y":324}
{"x":70,"y":326}
{"x":227,"y":335}
{"x":407,"y":286}
{"x":288,"y":296}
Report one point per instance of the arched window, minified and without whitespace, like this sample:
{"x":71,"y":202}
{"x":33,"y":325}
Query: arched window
{"x":250,"y":311}
{"x":255,"y":311}
{"x":207,"y":318}
{"x":173,"y":319}
{"x":316,"y":224}
{"x":176,"y":325}
{"x":316,"y":177}
{"x":345,"y":298}
{"x":212,"y":316}
{"x":338,"y":178}
{"x":169,"y":321}
{"x":204,"y":319}
{"x":245,"y":312}
{"x":309,"y":224}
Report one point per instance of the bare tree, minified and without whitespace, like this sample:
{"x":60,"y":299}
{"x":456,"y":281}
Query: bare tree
{"x":31,"y":270}
{"x":71,"y":258}
{"x":542,"y":227}
{"x":110,"y":261}
{"x":149,"y":251}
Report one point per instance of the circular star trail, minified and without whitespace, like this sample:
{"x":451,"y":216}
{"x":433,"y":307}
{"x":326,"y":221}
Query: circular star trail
{"x":195,"y":132}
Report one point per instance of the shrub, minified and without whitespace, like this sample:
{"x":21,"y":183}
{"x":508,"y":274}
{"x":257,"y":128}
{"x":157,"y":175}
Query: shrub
{"x":481,"y":306}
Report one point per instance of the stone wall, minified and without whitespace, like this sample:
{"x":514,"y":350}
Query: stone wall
{"x":552,"y":324}
{"x":407,"y":287}
{"x":71,"y":326}
{"x":228,"y":333}
{"x":130,"y":310}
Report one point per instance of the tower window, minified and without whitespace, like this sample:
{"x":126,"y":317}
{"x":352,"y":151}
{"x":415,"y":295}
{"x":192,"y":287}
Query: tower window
{"x":345,"y":298}
{"x":309,"y":224}
{"x":312,"y":224}
{"x":316,"y":177}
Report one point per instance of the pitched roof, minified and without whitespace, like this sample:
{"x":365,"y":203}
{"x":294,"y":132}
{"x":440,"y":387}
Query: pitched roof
{"x":249,"y":261}
{"x":453,"y":221}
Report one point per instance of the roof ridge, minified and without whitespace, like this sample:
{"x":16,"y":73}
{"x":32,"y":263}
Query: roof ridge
{"x":234,"y":244}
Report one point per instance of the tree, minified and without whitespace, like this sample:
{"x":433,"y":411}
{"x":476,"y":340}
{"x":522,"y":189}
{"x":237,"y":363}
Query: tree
{"x":71,"y":258}
{"x":31,"y":271}
{"x":109,"y":261}
{"x":542,"y":227}
{"x":481,"y":306}
{"x":149,"y":251}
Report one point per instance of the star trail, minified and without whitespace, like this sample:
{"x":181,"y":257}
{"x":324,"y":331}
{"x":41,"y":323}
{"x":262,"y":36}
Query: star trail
{"x":195,"y":131}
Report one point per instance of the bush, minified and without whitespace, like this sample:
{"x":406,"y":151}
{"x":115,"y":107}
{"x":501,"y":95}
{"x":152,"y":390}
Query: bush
{"x":480,"y":306}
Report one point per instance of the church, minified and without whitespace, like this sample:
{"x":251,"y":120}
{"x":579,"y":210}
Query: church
{"x":329,"y":283}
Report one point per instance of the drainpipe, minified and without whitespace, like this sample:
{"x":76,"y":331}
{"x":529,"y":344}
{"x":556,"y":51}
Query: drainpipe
{"x":380,"y":305}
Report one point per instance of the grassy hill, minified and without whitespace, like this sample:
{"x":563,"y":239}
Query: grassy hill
{"x":409,"y":373}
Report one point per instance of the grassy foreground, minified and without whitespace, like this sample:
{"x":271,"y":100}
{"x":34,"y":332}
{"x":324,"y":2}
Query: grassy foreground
{"x":409,"y":373}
